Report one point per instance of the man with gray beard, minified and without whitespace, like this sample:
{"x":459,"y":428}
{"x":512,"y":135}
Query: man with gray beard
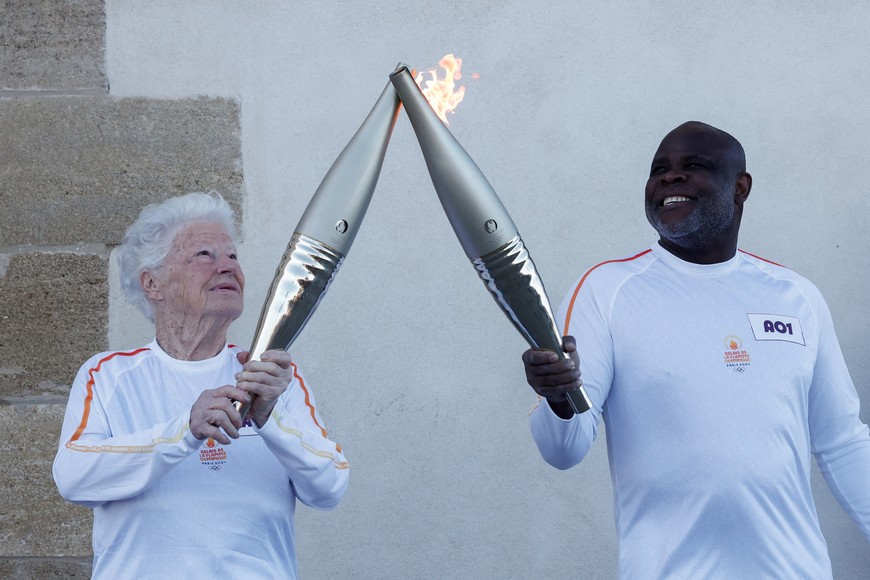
{"x":697,"y":211}
{"x":718,"y":375}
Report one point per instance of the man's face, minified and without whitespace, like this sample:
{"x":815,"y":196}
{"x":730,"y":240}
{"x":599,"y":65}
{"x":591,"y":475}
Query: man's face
{"x":690,"y":193}
{"x":200,"y":277}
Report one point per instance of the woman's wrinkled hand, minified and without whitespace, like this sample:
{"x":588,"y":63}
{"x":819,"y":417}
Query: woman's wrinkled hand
{"x":265,"y":380}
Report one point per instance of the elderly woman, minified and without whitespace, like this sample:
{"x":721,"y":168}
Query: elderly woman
{"x":180,"y":486}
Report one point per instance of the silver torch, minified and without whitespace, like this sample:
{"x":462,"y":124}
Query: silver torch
{"x":484,"y":228}
{"x":325,"y":232}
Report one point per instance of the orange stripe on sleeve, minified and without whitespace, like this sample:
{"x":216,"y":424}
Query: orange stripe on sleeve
{"x":308,"y":399}
{"x":583,"y":279}
{"x":90,"y":386}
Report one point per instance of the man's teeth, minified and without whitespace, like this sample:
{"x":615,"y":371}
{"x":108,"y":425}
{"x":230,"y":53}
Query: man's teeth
{"x":674,"y":199}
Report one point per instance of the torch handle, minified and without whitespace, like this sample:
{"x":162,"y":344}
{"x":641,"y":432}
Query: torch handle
{"x":578,"y":399}
{"x":300,"y":282}
{"x":514,"y":283}
{"x":243,"y":408}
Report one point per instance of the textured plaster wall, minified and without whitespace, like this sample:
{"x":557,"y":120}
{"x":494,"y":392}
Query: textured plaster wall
{"x":416,"y":371}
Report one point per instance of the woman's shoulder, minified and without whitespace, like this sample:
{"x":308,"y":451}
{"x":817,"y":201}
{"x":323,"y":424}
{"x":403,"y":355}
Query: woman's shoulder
{"x":117,"y":358}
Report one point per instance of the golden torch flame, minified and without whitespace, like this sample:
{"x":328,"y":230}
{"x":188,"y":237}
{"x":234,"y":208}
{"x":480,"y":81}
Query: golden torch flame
{"x":443,"y":94}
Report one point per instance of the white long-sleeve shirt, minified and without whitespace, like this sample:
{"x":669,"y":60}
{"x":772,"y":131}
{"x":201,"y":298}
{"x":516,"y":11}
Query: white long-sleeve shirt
{"x":168,"y":505}
{"x":717,"y":383}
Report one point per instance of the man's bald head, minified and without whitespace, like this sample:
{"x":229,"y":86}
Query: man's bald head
{"x":729,"y":143}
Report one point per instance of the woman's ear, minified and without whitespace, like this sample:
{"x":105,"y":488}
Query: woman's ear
{"x":150,"y":286}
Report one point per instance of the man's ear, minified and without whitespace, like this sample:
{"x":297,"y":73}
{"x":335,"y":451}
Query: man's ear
{"x":742,"y":188}
{"x":150,"y":286}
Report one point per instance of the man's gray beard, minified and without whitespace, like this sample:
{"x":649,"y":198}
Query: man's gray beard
{"x":711,"y":216}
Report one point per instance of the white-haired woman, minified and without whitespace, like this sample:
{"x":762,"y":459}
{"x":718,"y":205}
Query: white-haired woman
{"x":146,"y":440}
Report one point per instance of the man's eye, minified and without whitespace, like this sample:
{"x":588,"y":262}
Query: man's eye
{"x":233,"y":257}
{"x":203,"y":253}
{"x":657,"y":170}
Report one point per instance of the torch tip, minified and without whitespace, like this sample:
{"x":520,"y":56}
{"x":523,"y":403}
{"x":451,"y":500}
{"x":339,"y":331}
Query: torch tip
{"x":399,"y":68}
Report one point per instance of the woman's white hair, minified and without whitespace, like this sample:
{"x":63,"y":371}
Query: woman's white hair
{"x":149,"y":240}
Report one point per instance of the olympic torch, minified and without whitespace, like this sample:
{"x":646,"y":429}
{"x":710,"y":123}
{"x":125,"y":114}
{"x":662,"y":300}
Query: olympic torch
{"x":324,"y":234}
{"x":484,"y":228}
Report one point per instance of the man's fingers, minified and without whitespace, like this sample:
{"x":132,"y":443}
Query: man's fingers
{"x":561,"y":367}
{"x":566,"y":378}
{"x":535,"y":356}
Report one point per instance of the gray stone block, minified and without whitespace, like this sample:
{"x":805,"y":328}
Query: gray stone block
{"x":79,"y":169}
{"x":52,"y":44}
{"x":45,"y":568}
{"x":53,"y":317}
{"x":35,"y":520}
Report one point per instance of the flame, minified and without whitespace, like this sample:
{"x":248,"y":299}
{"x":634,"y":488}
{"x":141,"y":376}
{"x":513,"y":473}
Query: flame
{"x":443,"y":94}
{"x":733,"y":345}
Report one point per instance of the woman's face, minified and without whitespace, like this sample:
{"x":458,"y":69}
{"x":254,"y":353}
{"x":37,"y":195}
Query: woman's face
{"x":200,"y":279}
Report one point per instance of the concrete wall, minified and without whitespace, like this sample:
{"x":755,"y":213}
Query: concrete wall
{"x":416,"y":371}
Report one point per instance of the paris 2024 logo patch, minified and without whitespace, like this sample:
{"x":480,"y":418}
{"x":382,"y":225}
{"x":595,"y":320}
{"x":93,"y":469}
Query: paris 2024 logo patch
{"x":213,"y":455}
{"x":736,"y":357}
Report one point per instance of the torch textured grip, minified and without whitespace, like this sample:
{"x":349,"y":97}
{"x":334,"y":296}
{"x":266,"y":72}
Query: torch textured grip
{"x":511,"y":277}
{"x":300,"y":282}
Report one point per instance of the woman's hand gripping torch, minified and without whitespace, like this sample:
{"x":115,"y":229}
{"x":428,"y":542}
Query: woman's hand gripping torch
{"x":484,"y":228}
{"x":325,"y":233}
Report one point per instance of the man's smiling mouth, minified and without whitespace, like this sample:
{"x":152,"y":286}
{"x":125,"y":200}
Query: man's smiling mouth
{"x":674,"y":199}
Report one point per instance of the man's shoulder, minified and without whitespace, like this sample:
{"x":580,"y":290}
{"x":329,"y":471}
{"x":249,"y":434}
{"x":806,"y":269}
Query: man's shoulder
{"x":600,"y":283}
{"x":778,"y":274}
{"x":776,"y":270}
{"x":609,"y":271}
